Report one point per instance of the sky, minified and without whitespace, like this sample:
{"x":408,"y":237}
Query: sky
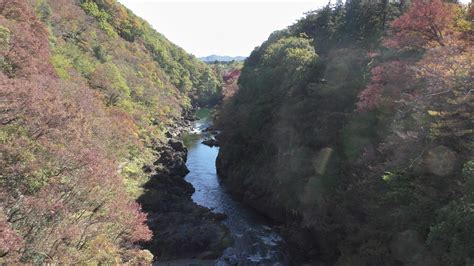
{"x":224,"y":27}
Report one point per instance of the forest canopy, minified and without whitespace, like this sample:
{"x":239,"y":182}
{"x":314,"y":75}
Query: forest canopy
{"x":88,"y":92}
{"x":354,"y":127}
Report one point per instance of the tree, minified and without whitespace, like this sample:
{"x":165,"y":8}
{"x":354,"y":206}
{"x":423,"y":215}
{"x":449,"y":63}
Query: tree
{"x":10,"y":241}
{"x":44,"y":11}
{"x":60,"y":192}
{"x":389,"y":82}
{"x":447,"y":73}
{"x":27,"y":37}
{"x":108,"y":79}
{"x":424,"y":23}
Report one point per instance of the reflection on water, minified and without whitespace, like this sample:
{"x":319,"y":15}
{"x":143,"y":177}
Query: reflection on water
{"x":255,"y":243}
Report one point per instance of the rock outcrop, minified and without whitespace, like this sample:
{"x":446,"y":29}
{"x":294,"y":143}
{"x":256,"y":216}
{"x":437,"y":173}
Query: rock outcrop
{"x":211,"y":142}
{"x":181,"y":228}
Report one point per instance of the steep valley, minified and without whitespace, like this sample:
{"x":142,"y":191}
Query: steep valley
{"x":343,"y":139}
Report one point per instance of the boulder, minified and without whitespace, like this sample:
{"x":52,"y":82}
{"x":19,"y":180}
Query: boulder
{"x":211,"y":142}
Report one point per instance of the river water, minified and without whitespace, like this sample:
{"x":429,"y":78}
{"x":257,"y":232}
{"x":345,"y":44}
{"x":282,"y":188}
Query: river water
{"x":255,"y":243}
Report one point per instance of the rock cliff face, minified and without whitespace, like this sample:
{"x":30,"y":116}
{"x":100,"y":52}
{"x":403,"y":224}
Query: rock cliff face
{"x":181,"y":228}
{"x":302,"y":241}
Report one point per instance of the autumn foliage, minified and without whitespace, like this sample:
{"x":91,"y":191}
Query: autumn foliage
{"x":365,"y":153}
{"x":439,"y":79}
{"x":386,"y":85}
{"x":425,"y":23}
{"x":88,"y":90}
{"x":62,"y":198}
{"x":21,"y":39}
{"x":230,"y":83}
{"x":423,"y":92}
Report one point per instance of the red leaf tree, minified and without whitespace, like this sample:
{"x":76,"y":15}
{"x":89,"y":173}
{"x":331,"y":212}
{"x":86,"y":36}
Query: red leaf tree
{"x":427,"y":22}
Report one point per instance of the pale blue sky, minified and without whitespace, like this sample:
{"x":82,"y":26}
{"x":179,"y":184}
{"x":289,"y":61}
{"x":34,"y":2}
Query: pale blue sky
{"x":222,"y":27}
{"x":225,"y":27}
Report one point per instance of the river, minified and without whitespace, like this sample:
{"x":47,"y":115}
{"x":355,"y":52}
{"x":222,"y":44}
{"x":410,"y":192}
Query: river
{"x":255,"y":243}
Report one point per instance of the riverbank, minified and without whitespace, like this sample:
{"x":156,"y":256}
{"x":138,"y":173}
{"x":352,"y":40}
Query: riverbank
{"x":181,"y":228}
{"x":255,"y":241}
{"x":194,"y":219}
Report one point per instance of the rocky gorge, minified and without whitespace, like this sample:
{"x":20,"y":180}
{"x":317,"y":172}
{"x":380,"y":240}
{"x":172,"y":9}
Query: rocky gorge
{"x":193,"y":217}
{"x":181,"y":228}
{"x":345,"y":138}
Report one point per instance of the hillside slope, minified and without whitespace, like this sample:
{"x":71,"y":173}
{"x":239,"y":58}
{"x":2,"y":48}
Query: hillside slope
{"x":88,"y":93}
{"x":353,"y":128}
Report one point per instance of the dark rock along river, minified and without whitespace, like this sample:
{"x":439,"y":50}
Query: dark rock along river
{"x":255,"y":243}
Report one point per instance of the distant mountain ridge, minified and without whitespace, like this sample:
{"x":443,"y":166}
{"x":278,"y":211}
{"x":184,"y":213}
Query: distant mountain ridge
{"x":221,"y":58}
